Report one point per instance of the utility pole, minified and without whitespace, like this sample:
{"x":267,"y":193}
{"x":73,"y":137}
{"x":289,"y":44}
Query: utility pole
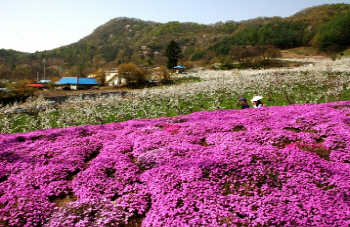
{"x":44,"y":69}
{"x":37,"y":77}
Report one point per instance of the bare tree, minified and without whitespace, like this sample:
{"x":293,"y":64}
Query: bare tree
{"x":131,"y":72}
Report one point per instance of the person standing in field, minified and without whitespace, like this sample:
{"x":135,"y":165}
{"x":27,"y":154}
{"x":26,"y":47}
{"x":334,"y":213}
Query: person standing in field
{"x":245,"y":105}
{"x":256,"y":100}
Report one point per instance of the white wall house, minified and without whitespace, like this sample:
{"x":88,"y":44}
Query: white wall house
{"x":112,"y":77}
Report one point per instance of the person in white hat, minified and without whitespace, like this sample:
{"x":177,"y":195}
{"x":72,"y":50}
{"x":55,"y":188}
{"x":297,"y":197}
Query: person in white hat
{"x":256,"y":100}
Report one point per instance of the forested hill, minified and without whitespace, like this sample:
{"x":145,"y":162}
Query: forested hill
{"x":309,"y":27}
{"x":326,"y":27}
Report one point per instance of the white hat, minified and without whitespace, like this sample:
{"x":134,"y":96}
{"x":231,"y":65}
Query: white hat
{"x":256,"y":98}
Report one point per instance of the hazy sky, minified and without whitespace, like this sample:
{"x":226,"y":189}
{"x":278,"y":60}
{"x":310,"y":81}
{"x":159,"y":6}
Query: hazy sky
{"x":37,"y":25}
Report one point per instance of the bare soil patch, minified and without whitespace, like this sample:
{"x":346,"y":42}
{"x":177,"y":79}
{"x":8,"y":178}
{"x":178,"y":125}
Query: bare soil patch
{"x":302,"y":52}
{"x":56,"y":93}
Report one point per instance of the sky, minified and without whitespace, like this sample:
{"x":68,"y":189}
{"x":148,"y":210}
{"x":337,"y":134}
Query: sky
{"x":38,"y":25}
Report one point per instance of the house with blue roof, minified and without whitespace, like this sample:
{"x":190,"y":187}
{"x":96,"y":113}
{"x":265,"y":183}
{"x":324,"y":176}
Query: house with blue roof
{"x":76,"y":83}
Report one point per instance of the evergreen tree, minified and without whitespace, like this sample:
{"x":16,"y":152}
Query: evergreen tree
{"x":173,"y":52}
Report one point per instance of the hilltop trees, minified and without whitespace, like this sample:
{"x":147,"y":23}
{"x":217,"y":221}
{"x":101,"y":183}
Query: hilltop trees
{"x":279,"y":34}
{"x":174,"y":53}
{"x":335,"y":35}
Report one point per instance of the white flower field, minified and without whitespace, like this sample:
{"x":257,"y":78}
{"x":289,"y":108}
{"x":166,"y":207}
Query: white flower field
{"x":318,"y":81}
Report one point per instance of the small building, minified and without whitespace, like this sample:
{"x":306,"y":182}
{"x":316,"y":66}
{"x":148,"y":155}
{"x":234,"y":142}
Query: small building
{"x":38,"y":86}
{"x":44,"y":81}
{"x":179,"y":68}
{"x":113,"y":78}
{"x":76,"y":83}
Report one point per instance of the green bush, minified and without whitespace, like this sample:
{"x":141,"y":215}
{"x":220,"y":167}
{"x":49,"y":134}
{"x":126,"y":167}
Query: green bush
{"x":197,"y":55}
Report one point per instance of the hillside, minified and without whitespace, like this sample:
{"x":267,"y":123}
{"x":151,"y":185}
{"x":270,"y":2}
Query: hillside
{"x":318,"y":15}
{"x":143,"y":42}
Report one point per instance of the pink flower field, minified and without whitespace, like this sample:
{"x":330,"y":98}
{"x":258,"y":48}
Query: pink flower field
{"x":273,"y":166}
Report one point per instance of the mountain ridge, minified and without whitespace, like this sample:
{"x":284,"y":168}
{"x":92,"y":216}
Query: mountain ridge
{"x":124,"y":39}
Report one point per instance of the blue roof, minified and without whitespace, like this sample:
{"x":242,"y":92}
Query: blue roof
{"x":77,"y":80}
{"x":179,"y":67}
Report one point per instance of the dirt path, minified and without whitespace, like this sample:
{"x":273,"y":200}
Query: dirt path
{"x":47,"y":93}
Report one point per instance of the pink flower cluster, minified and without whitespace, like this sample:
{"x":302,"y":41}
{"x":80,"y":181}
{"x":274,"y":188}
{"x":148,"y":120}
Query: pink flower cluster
{"x":275,"y":166}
